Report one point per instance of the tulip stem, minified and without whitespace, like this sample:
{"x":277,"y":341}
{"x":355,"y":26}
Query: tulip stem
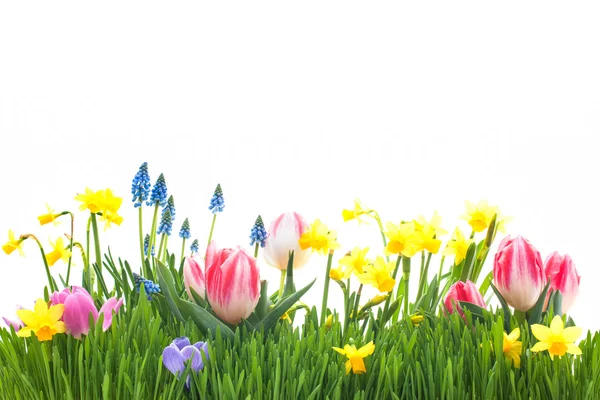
{"x":141,"y":232}
{"x":97,"y":249}
{"x":212,"y":228}
{"x":281,"y":284}
{"x":326,"y":288}
{"x":70,"y":248}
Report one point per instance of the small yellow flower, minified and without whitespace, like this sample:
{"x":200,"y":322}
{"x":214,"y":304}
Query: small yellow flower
{"x":91,"y":200}
{"x":380,"y":298}
{"x":402,"y":239}
{"x":286,"y":317}
{"x":329,"y":321}
{"x":319,"y":238}
{"x":557,"y":339}
{"x":355,"y":357}
{"x":434,"y":224}
{"x":43,"y":321}
{"x":13,"y":244}
{"x":51,"y":216}
{"x":379,"y":275}
{"x":512,"y":347}
{"x":337,"y":274}
{"x":109,"y":217}
{"x":356,"y":261}
{"x":358,"y":211}
{"x":416,"y":319}
{"x":59,"y":252}
{"x":458,"y":247}
{"x":479,"y":216}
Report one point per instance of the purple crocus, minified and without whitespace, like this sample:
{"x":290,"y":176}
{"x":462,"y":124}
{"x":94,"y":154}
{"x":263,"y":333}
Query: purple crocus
{"x":179,"y":351}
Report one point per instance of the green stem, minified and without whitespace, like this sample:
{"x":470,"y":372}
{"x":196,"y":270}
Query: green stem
{"x":406,"y":277}
{"x":164,"y":259}
{"x":424,"y":274}
{"x":256,"y":250}
{"x":389,"y":299}
{"x":281,"y":283}
{"x":51,"y":283}
{"x":89,"y":271}
{"x":182,"y":250}
{"x":83,"y":257}
{"x":212,"y":228}
{"x":387,"y":258}
{"x":441,"y":268}
{"x":326,"y":288}
{"x":346,"y":305}
{"x":141,"y":232}
{"x":160,"y":246}
{"x":97,"y":250}
{"x":356,"y":301}
{"x":152,"y":239}
{"x":70,"y":248}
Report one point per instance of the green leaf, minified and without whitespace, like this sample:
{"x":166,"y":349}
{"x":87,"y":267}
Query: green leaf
{"x":476,"y":311}
{"x":264,"y":302}
{"x":505,"y":308}
{"x":281,"y":308}
{"x":469,"y":262}
{"x":202,"y":318}
{"x":535,"y":313}
{"x":289,"y":279}
{"x":167,"y":287}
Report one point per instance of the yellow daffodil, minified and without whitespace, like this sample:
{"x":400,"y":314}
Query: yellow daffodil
{"x":380,"y":298}
{"x":557,"y":339}
{"x":458,"y":247}
{"x":58,"y":252}
{"x":337,"y":274}
{"x":435,"y":224}
{"x":379,"y":275}
{"x":286,"y":317}
{"x":43,"y":321}
{"x":91,"y":200}
{"x":110,"y":217}
{"x":51,"y":216}
{"x":355,"y":357}
{"x":416,"y":319}
{"x":13,"y":244}
{"x":319,"y":238}
{"x":479,"y":216}
{"x":358,"y":211}
{"x":355,"y":261}
{"x":402,"y":239}
{"x":512,"y":347}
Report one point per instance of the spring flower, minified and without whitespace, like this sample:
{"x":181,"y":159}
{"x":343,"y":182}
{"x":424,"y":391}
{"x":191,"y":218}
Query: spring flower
{"x":355,"y":357}
{"x":458,"y":247}
{"x":479,"y":216}
{"x":59,"y":252}
{"x":355,"y":261}
{"x":232,"y":283}
{"x":159,"y":192}
{"x":50,"y":216}
{"x":217,"y":203}
{"x":102,"y":202}
{"x":416,"y":319}
{"x":337,"y":274}
{"x":149,"y":286}
{"x":512,"y":347}
{"x":195,"y":247}
{"x":44,"y":322}
{"x":557,"y":339}
{"x":146,"y":243}
{"x":110,"y":305}
{"x":462,"y":291}
{"x":379,"y":275}
{"x":258,"y":233}
{"x":329,"y":321}
{"x":13,"y":244}
{"x":92,"y":201}
{"x":358,"y":211}
{"x":519,"y":272}
{"x":435,"y":224}
{"x":402,"y":239}
{"x":184,"y":232}
{"x":166,"y":223}
{"x":140,"y":187}
{"x":180,"y":350}
{"x":193,"y":276}
{"x":563,"y":277}
{"x":16,"y":323}
{"x":284,"y":233}
{"x":425,"y":238}
{"x":319,"y":238}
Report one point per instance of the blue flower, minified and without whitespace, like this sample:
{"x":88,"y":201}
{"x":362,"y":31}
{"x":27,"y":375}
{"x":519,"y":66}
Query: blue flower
{"x":159,"y":192}
{"x":166,"y":223}
{"x":146,"y":243}
{"x":217,"y":204}
{"x":140,"y":187}
{"x":184,"y":232}
{"x":176,"y":355}
{"x":149,"y":286}
{"x":258,"y":234}
{"x":195,"y":247}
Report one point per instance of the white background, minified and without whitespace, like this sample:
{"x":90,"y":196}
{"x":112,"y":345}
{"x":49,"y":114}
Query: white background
{"x":304,"y":106}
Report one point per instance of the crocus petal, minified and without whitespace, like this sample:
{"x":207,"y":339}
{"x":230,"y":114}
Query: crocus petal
{"x":193,"y":353}
{"x":173,"y":359}
{"x":76,"y":316}
{"x":572,"y":333}
{"x":181,"y":342}
{"x":541,"y":332}
{"x":107,"y":309}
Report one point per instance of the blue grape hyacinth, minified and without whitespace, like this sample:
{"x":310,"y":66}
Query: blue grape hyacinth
{"x":166,"y":223}
{"x":146,"y":242}
{"x":140,"y":187}
{"x":195,"y":247}
{"x":159,"y":192}
{"x":217,"y":203}
{"x":149,"y":286}
{"x":184,"y":232}
{"x":258,"y":234}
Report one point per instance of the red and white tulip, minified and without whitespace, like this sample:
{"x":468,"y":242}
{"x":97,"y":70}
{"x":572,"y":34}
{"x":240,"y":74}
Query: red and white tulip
{"x":284,"y":233}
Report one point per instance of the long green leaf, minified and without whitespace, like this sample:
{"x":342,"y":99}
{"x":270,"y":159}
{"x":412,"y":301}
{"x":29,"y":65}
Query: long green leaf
{"x":281,"y":308}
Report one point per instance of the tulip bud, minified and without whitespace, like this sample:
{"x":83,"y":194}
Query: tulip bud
{"x":78,"y":307}
{"x":112,"y":304}
{"x":284,"y":234}
{"x":232,"y":283}
{"x":518,"y":272}
{"x":193,"y":276}
{"x":462,"y":291}
{"x":563,"y":277}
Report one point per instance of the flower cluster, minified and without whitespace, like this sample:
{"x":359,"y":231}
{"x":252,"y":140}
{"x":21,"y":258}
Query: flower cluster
{"x":102,"y":202}
{"x":149,"y":286}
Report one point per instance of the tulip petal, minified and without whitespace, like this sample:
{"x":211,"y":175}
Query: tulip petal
{"x":541,"y":332}
{"x":107,"y":309}
{"x":572,"y":333}
{"x":173,"y":359}
{"x":76,"y":316}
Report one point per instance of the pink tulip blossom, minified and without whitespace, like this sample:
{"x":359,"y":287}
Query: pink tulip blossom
{"x":462,"y":291}
{"x":284,"y":234}
{"x":563,"y":277}
{"x":193,"y":276}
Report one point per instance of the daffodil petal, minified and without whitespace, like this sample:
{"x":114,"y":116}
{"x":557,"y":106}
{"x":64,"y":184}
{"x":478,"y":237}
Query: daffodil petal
{"x":556,"y":326}
{"x":514,"y":335}
{"x":571,"y":333}
{"x":41,"y":308}
{"x":367,"y":349}
{"x":24,"y":332}
{"x":348,"y":367}
{"x":341,"y":351}
{"x":573,"y":349}
{"x":540,"y":346}
{"x":56,"y":311}
{"x":541,"y":332}
{"x":27,"y":316}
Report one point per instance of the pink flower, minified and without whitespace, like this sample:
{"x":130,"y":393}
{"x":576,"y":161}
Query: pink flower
{"x":232,"y":283}
{"x":193,"y":276}
{"x":519,"y":273}
{"x":284,"y":234}
{"x":563,"y":277}
{"x":107,"y":308}
{"x":16,"y":323}
{"x":462,"y":291}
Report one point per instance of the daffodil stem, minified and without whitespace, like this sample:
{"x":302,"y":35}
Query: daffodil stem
{"x":389,"y":299}
{"x":83,"y":257}
{"x":406,"y":278}
{"x":97,"y":249}
{"x":326,"y":288}
{"x":387,"y":258}
{"x":152,"y":239}
{"x":356,"y":301}
{"x":424,"y":273}
{"x":256,"y":250}
{"x":141,"y":232}
{"x":281,"y":283}
{"x":51,"y":282}
{"x":441,"y":268}
{"x":70,"y":248}
{"x":346,"y":305}
{"x":212,"y":228}
{"x":87,"y":251}
{"x":182,"y":250}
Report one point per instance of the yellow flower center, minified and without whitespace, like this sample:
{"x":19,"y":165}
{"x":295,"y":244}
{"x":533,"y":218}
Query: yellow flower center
{"x":558,"y":349}
{"x":44,"y":333}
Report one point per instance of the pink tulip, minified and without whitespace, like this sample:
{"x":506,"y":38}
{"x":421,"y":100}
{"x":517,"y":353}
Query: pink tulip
{"x":16,"y":323}
{"x":193,"y":276}
{"x":563,"y":277}
{"x":284,"y":234}
{"x":519,"y":272}
{"x":60,"y":297}
{"x":107,"y":308}
{"x":462,"y":291}
{"x":232,"y":283}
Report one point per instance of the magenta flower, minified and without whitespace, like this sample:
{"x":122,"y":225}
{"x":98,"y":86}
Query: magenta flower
{"x":193,"y":276}
{"x":232,"y":283}
{"x":519,"y":272}
{"x":179,"y":351}
{"x":112,"y":304}
{"x":284,"y":234}
{"x":462,"y":291}
{"x":15,"y":322}
{"x":563,"y":277}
